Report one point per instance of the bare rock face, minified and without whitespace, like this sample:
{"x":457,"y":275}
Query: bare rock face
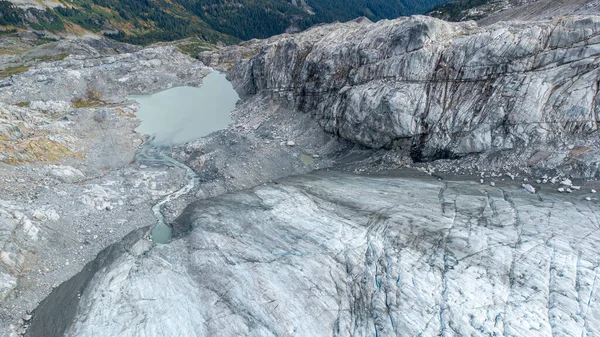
{"x":438,"y":89}
{"x":520,"y":10}
{"x":66,"y":174}
{"x":23,"y":49}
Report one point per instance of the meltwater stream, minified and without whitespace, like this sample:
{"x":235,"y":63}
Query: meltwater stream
{"x":161,"y":232}
{"x":175,"y":116}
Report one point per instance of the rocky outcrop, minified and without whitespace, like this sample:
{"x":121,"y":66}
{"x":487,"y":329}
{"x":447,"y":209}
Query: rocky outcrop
{"x":84,"y":80}
{"x":530,"y":10}
{"x":492,"y":11}
{"x":438,"y":89}
{"x":330,"y":254}
{"x":26,"y":49}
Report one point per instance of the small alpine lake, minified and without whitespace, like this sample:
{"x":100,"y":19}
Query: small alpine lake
{"x":182,"y":114}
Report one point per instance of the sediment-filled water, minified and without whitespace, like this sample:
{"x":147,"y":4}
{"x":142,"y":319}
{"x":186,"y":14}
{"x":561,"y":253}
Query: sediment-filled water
{"x":182,"y":114}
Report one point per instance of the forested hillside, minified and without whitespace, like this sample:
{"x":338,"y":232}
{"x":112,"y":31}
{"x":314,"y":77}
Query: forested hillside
{"x":335,"y":10}
{"x":146,"y":21}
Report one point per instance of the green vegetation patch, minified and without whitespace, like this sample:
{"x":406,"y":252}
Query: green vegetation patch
{"x":452,"y":11}
{"x":11,"y":15}
{"x":148,"y":21}
{"x":7,"y":72}
{"x":194,"y":46}
{"x":7,"y":32}
{"x":11,"y":51}
{"x":50,"y":58}
{"x":93,"y":99}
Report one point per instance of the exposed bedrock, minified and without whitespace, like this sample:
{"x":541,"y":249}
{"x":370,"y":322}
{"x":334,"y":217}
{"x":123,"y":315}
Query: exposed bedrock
{"x":93,"y":79}
{"x":438,"y":89}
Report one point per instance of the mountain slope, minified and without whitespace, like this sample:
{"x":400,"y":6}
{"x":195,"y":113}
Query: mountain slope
{"x":492,"y":11}
{"x":148,"y":21}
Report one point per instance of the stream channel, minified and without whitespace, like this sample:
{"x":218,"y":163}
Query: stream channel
{"x":174,"y":117}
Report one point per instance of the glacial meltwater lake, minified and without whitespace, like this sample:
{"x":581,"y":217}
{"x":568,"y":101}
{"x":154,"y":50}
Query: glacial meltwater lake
{"x":182,"y":114}
{"x":176,"y":116}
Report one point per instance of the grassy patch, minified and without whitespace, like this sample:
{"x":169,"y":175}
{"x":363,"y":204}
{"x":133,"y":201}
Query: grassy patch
{"x":7,"y":72}
{"x":455,"y":10}
{"x":49,"y":58}
{"x":7,"y":31}
{"x":86,"y":103}
{"x":194,"y":46}
{"x":93,"y":99}
{"x":23,"y":104}
{"x":33,"y":150}
{"x":121,"y":112}
{"x":41,"y":39}
{"x":11,"y":51}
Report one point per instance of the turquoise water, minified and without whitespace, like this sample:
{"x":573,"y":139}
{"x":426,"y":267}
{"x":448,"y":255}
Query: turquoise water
{"x":162,"y":232}
{"x":176,"y":116}
{"x":183,"y":114}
